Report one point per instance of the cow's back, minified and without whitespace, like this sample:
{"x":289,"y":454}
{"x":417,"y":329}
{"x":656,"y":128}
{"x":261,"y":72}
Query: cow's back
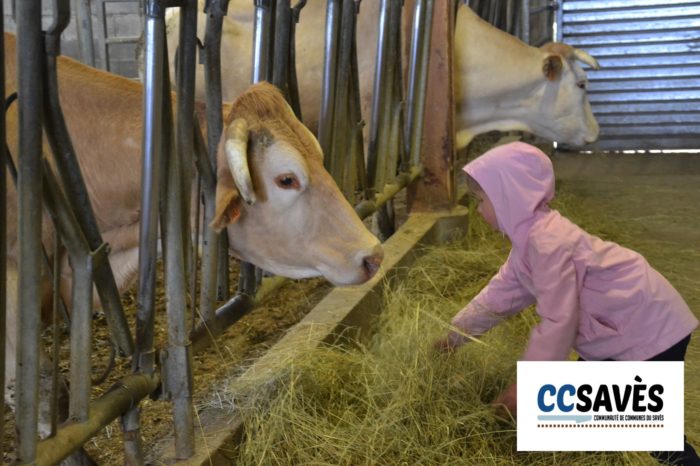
{"x":103,"y":115}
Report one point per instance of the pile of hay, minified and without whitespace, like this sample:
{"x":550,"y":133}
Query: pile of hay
{"x":394,"y":400}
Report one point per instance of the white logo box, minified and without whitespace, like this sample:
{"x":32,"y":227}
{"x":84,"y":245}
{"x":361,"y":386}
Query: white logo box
{"x":601,"y":430}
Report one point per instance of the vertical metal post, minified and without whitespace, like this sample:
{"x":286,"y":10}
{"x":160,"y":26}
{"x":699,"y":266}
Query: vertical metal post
{"x":418,"y":77}
{"x":558,"y":20}
{"x":29,"y":72}
{"x":83,"y":15}
{"x":3,"y":233}
{"x":341,"y":136}
{"x":178,"y":361}
{"x":187,"y":62}
{"x":262,"y":46}
{"x":525,"y":21}
{"x":144,"y":358}
{"x":330,"y":59}
{"x":214,"y":247}
{"x":378,"y":107}
{"x":281,"y":38}
{"x":81,"y":315}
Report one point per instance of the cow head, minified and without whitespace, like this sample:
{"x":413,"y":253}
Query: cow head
{"x":564,"y":98}
{"x":281,"y":209}
{"x":505,"y":84}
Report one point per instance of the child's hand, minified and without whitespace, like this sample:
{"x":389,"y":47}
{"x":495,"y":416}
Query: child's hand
{"x":449,"y":343}
{"x":443,"y":345}
{"x":506,"y":403}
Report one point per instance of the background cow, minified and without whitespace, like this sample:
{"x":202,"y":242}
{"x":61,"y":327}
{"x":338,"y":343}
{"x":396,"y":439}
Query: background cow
{"x":501,"y":83}
{"x":295,"y":222}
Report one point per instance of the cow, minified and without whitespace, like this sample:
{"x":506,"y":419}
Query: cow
{"x":280,"y":208}
{"x":501,"y":83}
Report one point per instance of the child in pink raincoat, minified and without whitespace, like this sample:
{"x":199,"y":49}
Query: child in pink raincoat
{"x":593,"y":296}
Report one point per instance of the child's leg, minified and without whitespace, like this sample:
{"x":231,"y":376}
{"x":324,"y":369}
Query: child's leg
{"x":687,"y":457}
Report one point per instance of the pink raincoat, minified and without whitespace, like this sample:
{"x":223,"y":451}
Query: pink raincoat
{"x":599,"y":298}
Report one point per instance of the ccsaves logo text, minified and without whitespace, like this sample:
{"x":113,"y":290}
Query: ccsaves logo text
{"x":600,"y":406}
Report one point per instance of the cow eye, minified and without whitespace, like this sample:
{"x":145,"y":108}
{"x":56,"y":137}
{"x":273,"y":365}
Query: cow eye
{"x":581,"y":84}
{"x":287,"y":181}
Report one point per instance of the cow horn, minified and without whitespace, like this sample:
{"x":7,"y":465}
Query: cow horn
{"x":584,"y":57}
{"x":236,"y":148}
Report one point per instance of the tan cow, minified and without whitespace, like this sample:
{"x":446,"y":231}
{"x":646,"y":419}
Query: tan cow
{"x":500,"y":82}
{"x":295,"y":223}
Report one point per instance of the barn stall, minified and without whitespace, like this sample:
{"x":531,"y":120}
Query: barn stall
{"x":329,"y":319}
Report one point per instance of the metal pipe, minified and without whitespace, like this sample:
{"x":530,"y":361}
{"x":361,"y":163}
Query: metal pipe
{"x":418,"y":77}
{"x":84,"y":22}
{"x":144,"y":358}
{"x":525,"y":21}
{"x":187,"y":62}
{"x":214,"y":246}
{"x":179,"y":384}
{"x":29,"y":81}
{"x":123,"y":396}
{"x":261,"y":40}
{"x":378,"y":106}
{"x":339,"y":152}
{"x":330,"y":59}
{"x":281,"y":46}
{"x":3,"y":231}
{"x":367,"y":207}
{"x":81,"y":322}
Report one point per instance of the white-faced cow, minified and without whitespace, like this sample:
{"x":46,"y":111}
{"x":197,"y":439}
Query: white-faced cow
{"x":295,"y":222}
{"x":501,"y":83}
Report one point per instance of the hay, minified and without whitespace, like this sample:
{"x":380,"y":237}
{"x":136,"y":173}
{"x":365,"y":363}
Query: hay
{"x":394,"y":400}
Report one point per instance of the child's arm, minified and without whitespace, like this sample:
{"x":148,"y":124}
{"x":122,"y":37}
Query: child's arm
{"x":555,"y":282}
{"x":502,"y":297}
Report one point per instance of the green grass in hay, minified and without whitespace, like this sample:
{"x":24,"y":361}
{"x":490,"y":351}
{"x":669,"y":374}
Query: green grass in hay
{"x":394,"y":400}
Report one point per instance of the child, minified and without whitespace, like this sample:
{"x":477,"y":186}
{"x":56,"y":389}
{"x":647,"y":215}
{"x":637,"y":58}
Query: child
{"x":594,"y":296}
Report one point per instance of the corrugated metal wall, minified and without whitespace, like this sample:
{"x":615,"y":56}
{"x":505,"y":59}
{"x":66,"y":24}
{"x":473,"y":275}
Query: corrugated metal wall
{"x":647,"y":93}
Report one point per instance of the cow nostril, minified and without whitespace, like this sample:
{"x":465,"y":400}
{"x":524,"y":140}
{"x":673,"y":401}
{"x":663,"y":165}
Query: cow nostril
{"x":372,"y":263}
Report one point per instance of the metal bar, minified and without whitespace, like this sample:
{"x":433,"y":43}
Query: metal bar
{"x":281,"y":45}
{"x":29,"y":81}
{"x":292,"y":81}
{"x":525,"y":21}
{"x":187,"y":63}
{"x":378,"y":106}
{"x":418,"y":77}
{"x":122,"y":40}
{"x":81,"y":323}
{"x":214,"y":247}
{"x":330,"y":57}
{"x":123,"y":396}
{"x":357,"y":141}
{"x":339,"y":152}
{"x":179,"y":383}
{"x":264,"y":12}
{"x":102,"y":37}
{"x":3,"y":231}
{"x":367,"y":207}
{"x":83,"y":15}
{"x":144,"y":358}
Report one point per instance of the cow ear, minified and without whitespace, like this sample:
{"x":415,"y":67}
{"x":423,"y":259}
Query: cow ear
{"x":228,"y":201}
{"x":552,"y":66}
{"x":228,"y":198}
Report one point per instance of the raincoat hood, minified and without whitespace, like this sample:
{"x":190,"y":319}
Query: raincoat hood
{"x":518,"y":180}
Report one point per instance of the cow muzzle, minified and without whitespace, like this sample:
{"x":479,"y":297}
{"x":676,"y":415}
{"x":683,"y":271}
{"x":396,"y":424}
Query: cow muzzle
{"x":373,"y":261}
